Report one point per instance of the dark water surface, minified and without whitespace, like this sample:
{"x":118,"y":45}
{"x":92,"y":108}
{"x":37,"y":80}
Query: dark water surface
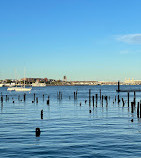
{"x":68,"y":129}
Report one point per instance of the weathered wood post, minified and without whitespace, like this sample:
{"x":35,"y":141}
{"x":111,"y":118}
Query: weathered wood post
{"x":24,"y":97}
{"x":102,"y":100}
{"x":38,"y":132}
{"x":128,"y":99}
{"x":118,"y":99}
{"x":132,"y":107}
{"x":37,"y":100}
{"x":41,"y":114}
{"x":34,"y":97}
{"x":118,"y":86}
{"x":1,"y":99}
{"x":89,"y":97}
{"x":106,"y":98}
{"x":48,"y":101}
{"x":93,"y":100}
{"x":138,"y":109}
{"x":96,"y":96}
{"x":123,"y":102}
{"x":74,"y":95}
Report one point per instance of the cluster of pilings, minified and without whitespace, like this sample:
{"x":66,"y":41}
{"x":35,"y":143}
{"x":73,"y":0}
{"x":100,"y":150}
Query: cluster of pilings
{"x":75,"y":95}
{"x":59,"y":95}
{"x":92,"y":98}
{"x":95,"y":99}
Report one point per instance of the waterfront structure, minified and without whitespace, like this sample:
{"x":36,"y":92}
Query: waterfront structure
{"x":65,"y":78}
{"x":132,"y":82}
{"x":37,"y":84}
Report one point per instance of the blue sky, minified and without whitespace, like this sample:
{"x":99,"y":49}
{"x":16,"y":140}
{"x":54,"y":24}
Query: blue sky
{"x":82,"y":39}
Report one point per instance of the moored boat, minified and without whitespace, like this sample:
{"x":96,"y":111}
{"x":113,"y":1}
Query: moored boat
{"x":1,"y":85}
{"x":22,"y":89}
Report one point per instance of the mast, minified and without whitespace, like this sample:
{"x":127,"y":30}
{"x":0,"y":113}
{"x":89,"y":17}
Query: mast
{"x":24,"y":77}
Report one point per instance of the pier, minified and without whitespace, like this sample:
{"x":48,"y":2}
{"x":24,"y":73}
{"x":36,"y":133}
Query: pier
{"x":127,"y":90}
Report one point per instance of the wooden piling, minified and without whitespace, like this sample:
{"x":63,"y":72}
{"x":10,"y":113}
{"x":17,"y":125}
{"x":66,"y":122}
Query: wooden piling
{"x":74,"y":95}
{"x":37,"y":100}
{"x":96,"y":97}
{"x":24,"y":97}
{"x":89,"y":97}
{"x":93,"y":100}
{"x":34,"y":97}
{"x":41,"y":114}
{"x":138,"y":109}
{"x":118,"y":86}
{"x":38,"y":132}
{"x":123,"y":102}
{"x":132,"y":107}
{"x":118,"y":99}
{"x":48,"y":102}
{"x":1,"y":99}
{"x":128,"y":99}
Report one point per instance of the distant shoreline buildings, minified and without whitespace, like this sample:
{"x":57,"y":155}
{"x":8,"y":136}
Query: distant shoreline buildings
{"x":41,"y":82}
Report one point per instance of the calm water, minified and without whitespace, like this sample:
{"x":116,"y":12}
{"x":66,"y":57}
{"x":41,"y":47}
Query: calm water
{"x":68,"y":129}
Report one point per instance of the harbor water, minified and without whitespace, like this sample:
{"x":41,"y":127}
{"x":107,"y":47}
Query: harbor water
{"x":68,"y":128}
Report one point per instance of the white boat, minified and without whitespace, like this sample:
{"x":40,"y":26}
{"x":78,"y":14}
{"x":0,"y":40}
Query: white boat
{"x":19,"y":89}
{"x":37,"y":84}
{"x":22,"y":89}
{"x":1,"y":85}
{"x":11,"y":88}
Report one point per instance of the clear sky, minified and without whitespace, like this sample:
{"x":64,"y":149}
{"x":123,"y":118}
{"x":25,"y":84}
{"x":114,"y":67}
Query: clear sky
{"x":82,"y":39}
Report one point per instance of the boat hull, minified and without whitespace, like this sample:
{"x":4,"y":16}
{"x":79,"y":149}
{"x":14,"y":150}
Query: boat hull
{"x":23,"y":89}
{"x":19,"y":89}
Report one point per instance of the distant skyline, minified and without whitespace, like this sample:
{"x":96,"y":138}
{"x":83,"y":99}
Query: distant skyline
{"x":82,"y":39}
